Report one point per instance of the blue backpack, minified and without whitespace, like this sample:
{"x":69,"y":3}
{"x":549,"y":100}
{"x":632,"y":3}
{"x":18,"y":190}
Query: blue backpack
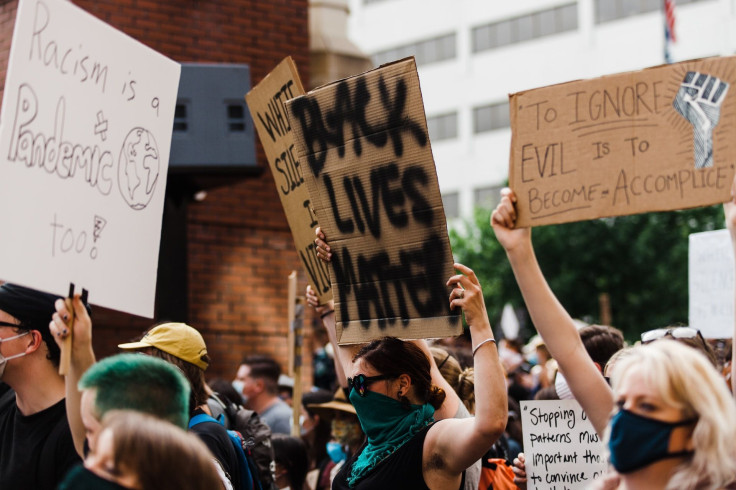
{"x":248,"y":471}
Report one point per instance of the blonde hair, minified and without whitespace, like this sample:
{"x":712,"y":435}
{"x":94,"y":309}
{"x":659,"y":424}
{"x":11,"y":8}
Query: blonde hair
{"x":162,"y":456}
{"x":686,"y":380}
{"x":461,"y":380}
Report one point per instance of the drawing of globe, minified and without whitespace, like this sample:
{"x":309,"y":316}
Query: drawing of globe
{"x":138,"y":168}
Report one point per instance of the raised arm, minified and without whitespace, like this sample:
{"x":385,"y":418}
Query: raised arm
{"x":343,"y":354}
{"x":551,"y":320}
{"x":82,"y":357}
{"x":460,"y":442}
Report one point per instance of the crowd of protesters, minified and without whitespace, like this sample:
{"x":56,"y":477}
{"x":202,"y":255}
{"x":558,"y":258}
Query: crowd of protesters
{"x":385,"y":414}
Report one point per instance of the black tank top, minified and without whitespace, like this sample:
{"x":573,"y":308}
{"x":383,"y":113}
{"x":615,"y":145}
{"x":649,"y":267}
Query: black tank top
{"x":402,"y":469}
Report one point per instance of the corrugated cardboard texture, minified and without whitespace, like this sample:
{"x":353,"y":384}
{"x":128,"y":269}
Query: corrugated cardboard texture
{"x":652,"y":140}
{"x":370,"y":171}
{"x":266,"y":104}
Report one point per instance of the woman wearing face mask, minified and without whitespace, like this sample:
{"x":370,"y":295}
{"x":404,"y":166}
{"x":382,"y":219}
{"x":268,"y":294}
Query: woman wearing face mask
{"x":668,"y":418}
{"x":391,"y":388}
{"x":346,"y":436}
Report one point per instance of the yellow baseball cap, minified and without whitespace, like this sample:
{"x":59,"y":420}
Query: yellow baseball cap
{"x":178,"y":339}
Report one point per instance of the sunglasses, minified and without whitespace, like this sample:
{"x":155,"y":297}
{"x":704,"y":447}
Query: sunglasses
{"x":674,"y":332}
{"x":360,"y":382}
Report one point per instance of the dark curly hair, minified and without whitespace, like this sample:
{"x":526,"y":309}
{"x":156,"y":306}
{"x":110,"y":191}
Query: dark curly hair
{"x":390,"y":355}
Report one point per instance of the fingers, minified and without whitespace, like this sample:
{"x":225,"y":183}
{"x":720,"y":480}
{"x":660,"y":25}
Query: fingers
{"x":505,"y":212}
{"x":58,"y":328}
{"x":467,"y":279}
{"x":79,"y":309}
{"x":323,"y":250}
{"x":467,"y":271}
{"x":312,"y":299}
{"x":61,"y":309}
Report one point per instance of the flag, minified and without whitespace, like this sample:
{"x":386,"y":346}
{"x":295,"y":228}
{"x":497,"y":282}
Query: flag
{"x":669,"y":28}
{"x":669,"y":15}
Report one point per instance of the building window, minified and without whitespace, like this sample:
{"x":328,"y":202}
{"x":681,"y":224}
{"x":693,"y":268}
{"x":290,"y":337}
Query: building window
{"x":442,"y":127}
{"x":608,"y":10}
{"x":451,"y":203}
{"x":490,"y":117}
{"x":527,"y":27}
{"x":487,"y":197}
{"x":425,"y":52}
{"x":180,"y":117}
{"x":235,"y":117}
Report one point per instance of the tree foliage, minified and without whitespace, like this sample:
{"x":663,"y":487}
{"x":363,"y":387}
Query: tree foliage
{"x":640,"y":261}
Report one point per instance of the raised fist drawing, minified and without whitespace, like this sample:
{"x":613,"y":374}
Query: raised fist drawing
{"x":699,"y":101}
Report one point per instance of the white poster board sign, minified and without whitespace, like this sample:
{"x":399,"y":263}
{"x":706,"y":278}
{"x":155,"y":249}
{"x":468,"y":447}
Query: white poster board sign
{"x":562,"y":449}
{"x":710,"y":283}
{"x":86,"y":128}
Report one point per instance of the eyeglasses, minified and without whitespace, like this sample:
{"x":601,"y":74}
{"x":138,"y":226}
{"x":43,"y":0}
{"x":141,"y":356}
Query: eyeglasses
{"x":361,"y":381}
{"x":674,"y":332}
{"x":8,"y":324}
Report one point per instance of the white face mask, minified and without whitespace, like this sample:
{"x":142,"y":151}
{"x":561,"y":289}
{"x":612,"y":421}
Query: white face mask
{"x":239,"y":385}
{"x":561,"y":387}
{"x":4,"y":360}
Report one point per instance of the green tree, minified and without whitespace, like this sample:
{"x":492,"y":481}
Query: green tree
{"x":640,"y":261}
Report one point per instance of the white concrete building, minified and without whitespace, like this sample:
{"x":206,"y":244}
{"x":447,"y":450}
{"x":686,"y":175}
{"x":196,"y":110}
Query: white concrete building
{"x":472,"y":53}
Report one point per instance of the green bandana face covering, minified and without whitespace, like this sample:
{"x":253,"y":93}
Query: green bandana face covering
{"x":388,"y":425}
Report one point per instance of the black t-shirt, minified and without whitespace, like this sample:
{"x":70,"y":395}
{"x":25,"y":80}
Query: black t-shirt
{"x":37,"y":450}
{"x":215,"y":437}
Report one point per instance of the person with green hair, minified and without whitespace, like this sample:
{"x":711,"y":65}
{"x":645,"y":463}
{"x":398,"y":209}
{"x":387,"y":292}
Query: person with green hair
{"x":123,"y":381}
{"x":133,"y":382}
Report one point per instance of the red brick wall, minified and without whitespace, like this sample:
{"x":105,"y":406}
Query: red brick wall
{"x":240,"y":250}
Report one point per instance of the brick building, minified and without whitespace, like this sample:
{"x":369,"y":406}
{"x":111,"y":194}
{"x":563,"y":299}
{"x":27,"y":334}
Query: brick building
{"x":231,"y":251}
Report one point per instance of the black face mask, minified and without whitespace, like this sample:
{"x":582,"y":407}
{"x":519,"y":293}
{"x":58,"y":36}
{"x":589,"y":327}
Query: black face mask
{"x":80,"y":478}
{"x":637,"y":441}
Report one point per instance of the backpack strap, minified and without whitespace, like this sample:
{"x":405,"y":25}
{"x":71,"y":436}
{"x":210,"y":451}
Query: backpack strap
{"x":203,"y":417}
{"x":246,"y":475}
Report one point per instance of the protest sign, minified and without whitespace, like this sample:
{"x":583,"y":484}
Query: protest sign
{"x":86,"y":129}
{"x":710,"y":282}
{"x":373,"y":183}
{"x":266,"y":105}
{"x":562,"y":449}
{"x":653,"y":140}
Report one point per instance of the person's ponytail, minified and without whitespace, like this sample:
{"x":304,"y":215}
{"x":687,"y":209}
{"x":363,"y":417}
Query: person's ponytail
{"x":436,"y":396}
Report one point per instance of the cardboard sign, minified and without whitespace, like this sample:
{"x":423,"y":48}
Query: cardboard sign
{"x":652,"y":140}
{"x":710,"y":282}
{"x":266,"y":104}
{"x":374,"y":187}
{"x":561,"y":446}
{"x":86,"y":129}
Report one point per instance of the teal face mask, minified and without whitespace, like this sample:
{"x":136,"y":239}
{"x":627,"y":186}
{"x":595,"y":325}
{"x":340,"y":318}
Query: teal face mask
{"x":336,"y":452}
{"x":638,"y":441}
{"x":387,"y":424}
